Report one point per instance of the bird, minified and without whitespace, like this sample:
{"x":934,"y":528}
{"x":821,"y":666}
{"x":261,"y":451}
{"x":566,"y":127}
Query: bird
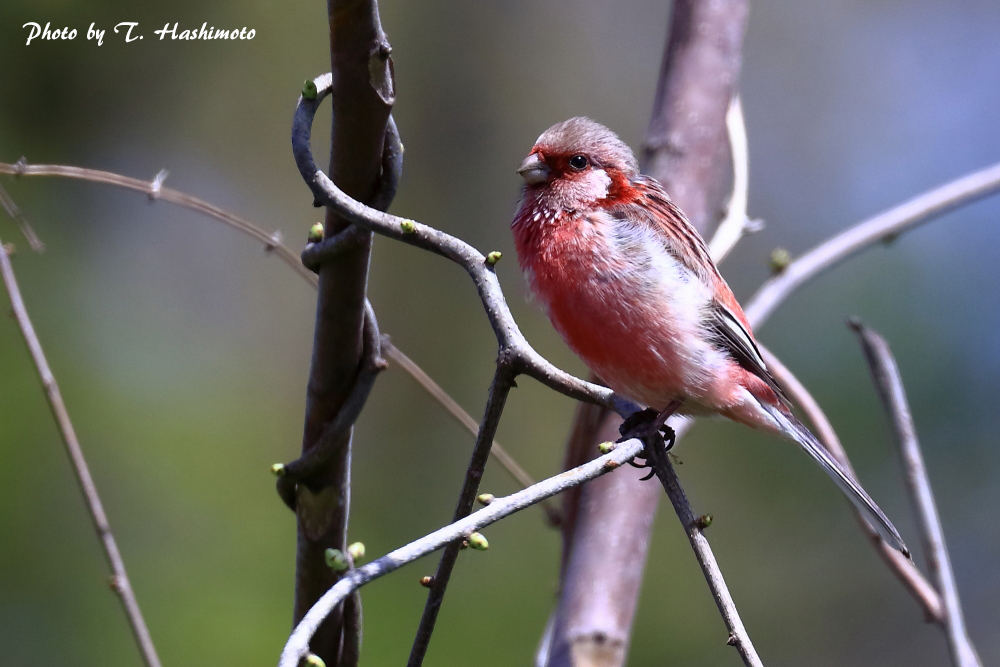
{"x":629,"y":284}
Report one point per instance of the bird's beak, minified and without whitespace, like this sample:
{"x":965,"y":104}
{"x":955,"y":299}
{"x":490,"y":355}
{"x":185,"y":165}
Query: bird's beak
{"x":534,"y":171}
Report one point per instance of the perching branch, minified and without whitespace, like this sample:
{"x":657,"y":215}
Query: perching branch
{"x":904,"y":569}
{"x":885,"y":226}
{"x":119,"y":582}
{"x":889,"y":383}
{"x":298,"y":643}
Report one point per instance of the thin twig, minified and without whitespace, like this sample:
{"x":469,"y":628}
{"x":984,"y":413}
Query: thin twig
{"x":7,"y":202}
{"x":889,"y":383}
{"x":502,"y":456}
{"x":738,"y":636}
{"x":119,"y":580}
{"x":736,"y":223}
{"x":503,"y":380}
{"x":904,"y":569}
{"x":298,"y":643}
{"x":883,"y":227}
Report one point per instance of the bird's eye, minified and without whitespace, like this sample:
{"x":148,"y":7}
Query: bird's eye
{"x":578,"y":162}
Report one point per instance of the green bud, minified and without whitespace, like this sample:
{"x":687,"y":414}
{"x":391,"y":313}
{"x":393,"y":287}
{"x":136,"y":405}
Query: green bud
{"x":309,"y":89}
{"x":493,"y":257}
{"x":779,"y":260}
{"x":478,"y":542}
{"x":316,"y":233}
{"x":485,"y":498}
{"x":704,"y":521}
{"x":356,"y":551}
{"x":312,"y":659}
{"x":336,"y":560}
{"x":606,"y":447}
{"x":408,"y":226}
{"x":278,"y":469}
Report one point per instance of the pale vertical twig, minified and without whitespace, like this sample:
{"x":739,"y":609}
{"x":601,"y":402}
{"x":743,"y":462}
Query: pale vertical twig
{"x":14,"y":212}
{"x":889,"y":383}
{"x":119,"y":580}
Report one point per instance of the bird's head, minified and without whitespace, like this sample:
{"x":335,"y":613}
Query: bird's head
{"x":577,"y":162}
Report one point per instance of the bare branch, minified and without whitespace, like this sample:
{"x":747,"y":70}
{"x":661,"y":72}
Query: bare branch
{"x":889,"y":383}
{"x":519,"y":474}
{"x":266,"y":239}
{"x":503,"y":380}
{"x":119,"y":580}
{"x":882,"y":227}
{"x":14,"y":212}
{"x":904,"y":569}
{"x":736,"y":222}
{"x":298,"y":643}
{"x":738,"y":636}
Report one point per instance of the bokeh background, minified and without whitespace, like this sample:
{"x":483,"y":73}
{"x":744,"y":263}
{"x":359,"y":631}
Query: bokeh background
{"x":182,"y":350}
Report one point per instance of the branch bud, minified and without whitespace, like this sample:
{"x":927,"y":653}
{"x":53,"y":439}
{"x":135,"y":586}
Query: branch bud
{"x":356,"y":551}
{"x":408,"y":226}
{"x":316,"y":233}
{"x":309,"y":89}
{"x":278,"y":469}
{"x":485,"y":498}
{"x":704,"y":521}
{"x":312,"y":659}
{"x":426,"y":582}
{"x":478,"y":542}
{"x":606,"y":447}
{"x":779,"y":260}
{"x":493,"y":257}
{"x":336,"y":560}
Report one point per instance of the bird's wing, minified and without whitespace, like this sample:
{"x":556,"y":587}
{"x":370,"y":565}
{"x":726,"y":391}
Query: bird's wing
{"x":730,"y":334}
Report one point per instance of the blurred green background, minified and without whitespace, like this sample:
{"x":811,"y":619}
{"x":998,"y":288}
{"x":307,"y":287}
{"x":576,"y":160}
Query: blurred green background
{"x":182,"y":350}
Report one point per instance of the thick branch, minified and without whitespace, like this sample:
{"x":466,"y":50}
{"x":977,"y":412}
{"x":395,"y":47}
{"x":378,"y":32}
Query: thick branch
{"x":120,"y":581}
{"x":362,"y":70}
{"x":889,"y":384}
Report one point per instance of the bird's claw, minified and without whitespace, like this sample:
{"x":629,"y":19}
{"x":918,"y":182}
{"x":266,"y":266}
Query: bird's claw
{"x":657,"y":441}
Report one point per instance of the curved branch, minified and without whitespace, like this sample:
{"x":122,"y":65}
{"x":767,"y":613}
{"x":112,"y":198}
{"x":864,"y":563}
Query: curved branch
{"x":298,"y":643}
{"x":882,"y":227}
{"x":524,"y":360}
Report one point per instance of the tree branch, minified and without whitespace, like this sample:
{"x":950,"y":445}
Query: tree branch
{"x":889,"y":383}
{"x":298,"y":643}
{"x":885,"y":226}
{"x":904,"y":569}
{"x":119,"y":581}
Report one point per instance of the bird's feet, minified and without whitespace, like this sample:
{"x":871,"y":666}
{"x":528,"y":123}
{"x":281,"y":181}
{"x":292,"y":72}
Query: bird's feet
{"x":647,"y":426}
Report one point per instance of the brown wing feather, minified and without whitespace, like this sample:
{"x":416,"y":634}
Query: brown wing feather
{"x":725,"y":320}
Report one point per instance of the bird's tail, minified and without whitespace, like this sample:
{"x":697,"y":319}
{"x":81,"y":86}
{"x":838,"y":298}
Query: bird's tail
{"x":797,"y":431}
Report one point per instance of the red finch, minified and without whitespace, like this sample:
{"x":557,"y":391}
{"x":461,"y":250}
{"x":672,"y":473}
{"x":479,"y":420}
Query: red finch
{"x":629,"y":284}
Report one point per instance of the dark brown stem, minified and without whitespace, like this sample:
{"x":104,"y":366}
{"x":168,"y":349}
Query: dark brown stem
{"x":119,"y":579}
{"x":503,"y":380}
{"x":362,"y":71}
